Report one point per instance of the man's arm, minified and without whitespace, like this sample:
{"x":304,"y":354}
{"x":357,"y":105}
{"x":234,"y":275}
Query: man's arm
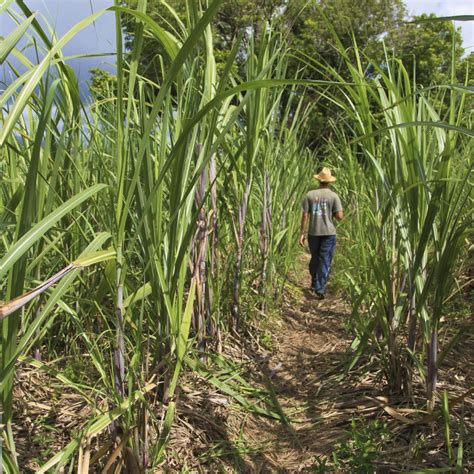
{"x":304,"y":222}
{"x":339,"y":213}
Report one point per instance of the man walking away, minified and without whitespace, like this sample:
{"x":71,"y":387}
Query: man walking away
{"x":320,"y":207}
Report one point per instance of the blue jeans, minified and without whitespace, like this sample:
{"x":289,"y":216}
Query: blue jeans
{"x":322,"y":250}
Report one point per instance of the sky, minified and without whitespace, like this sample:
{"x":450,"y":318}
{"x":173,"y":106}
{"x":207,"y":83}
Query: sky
{"x":448,"y":8}
{"x":62,"y":15}
{"x":100,"y":36}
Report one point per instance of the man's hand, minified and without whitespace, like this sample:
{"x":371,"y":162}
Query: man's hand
{"x":304,"y":222}
{"x":302,"y":239}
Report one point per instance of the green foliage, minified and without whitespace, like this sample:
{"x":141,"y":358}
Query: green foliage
{"x":318,"y":29}
{"x":179,"y":192}
{"x":358,"y":451}
{"x":176,"y":159}
{"x":362,"y":447}
{"x":428,"y":49}
{"x":102,"y":83}
{"x":267,"y":341}
{"x":321,"y":466}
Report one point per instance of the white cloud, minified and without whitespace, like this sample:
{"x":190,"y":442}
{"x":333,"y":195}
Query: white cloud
{"x":448,"y":8}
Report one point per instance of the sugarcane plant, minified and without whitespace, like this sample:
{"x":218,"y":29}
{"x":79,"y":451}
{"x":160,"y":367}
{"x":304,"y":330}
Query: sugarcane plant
{"x":120,"y":214}
{"x":402,"y":155}
{"x":266,"y":158}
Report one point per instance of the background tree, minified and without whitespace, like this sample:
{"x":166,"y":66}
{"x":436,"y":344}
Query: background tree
{"x":234,"y":17}
{"x":313,"y":25}
{"x":314,"y":28}
{"x":426,"y":48}
{"x":102,"y":84}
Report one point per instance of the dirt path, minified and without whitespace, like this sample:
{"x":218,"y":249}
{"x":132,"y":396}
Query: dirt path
{"x":309,"y":352}
{"x":303,"y":370}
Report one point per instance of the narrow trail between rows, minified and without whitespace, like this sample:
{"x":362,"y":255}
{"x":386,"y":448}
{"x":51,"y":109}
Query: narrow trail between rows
{"x":305,"y":368}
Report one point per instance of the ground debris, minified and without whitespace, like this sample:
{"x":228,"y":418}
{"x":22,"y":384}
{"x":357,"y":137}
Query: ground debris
{"x":309,"y":352}
{"x":301,"y":377}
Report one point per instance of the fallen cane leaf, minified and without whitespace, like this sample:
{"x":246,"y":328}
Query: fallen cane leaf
{"x":7,"y":308}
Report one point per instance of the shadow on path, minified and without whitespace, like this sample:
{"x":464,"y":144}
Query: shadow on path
{"x":310,"y":350}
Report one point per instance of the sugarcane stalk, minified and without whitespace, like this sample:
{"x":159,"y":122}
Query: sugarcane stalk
{"x":199,"y":245}
{"x":432,"y":363}
{"x":214,"y":239}
{"x":119,"y":352}
{"x":264,"y":238}
{"x":412,"y":323}
{"x":213,"y":328}
{"x":235,"y":309}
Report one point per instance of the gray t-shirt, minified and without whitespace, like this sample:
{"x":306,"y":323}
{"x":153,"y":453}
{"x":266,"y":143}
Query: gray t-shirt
{"x":321,"y":204}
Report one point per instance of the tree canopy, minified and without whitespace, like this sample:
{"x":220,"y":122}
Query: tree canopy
{"x":317,"y":29}
{"x":427,"y":48}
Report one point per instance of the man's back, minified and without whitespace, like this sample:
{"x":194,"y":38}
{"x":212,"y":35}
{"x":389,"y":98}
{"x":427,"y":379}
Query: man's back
{"x":321,"y":205}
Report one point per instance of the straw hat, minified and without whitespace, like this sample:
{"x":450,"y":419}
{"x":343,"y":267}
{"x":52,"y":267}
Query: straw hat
{"x":325,"y":176}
